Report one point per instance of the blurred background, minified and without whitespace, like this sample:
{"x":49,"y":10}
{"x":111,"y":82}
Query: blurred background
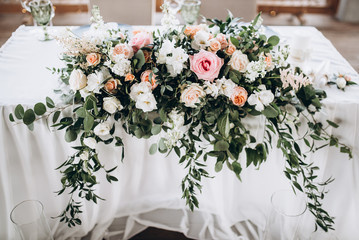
{"x":338,"y":20}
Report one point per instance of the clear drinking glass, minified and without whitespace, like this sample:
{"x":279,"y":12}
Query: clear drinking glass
{"x":42,"y":11}
{"x":287,"y":209}
{"x":30,"y":222}
{"x":190,"y":11}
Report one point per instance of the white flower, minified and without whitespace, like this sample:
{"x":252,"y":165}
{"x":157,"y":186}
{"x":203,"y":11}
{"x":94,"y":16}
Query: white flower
{"x":175,"y":63}
{"x":94,"y":82}
{"x":146,"y":102}
{"x":225,"y":86}
{"x":166,"y":48}
{"x":111,"y":104}
{"x":90,"y":142}
{"x":84,"y":155}
{"x":341,"y":82}
{"x":211,"y":89}
{"x":312,"y":108}
{"x":77,"y":80}
{"x":169,"y":18}
{"x":296,"y":81}
{"x":172,"y":137}
{"x":256,"y":69}
{"x":192,"y":95}
{"x":176,"y":119}
{"x":122,"y":65}
{"x":239,"y":61}
{"x":261,"y":98}
{"x":138,"y":89}
{"x":102,"y":129}
{"x":201,"y":40}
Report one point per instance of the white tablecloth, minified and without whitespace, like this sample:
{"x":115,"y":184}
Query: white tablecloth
{"x":148,"y":191}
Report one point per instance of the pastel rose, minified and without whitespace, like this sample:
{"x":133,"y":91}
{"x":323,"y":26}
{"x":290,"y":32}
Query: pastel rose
{"x":214,"y":45}
{"x":191,"y":31}
{"x":347,"y":78}
{"x":192,"y":94}
{"x":129,"y":77}
{"x":239,"y":96}
{"x":93,"y":59}
{"x":206,"y":65}
{"x":230,"y":49}
{"x":78,"y":80}
{"x":239,"y":61}
{"x":223,"y":40}
{"x":145,"y":77}
{"x":111,"y":104}
{"x":111,"y":86}
{"x":124,"y":49}
{"x":140,"y":40}
{"x":268,"y":60}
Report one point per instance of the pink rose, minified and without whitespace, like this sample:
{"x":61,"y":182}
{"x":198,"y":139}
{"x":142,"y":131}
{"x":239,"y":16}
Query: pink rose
{"x":206,"y":65}
{"x":140,"y":40}
{"x":124,"y":49}
{"x":192,"y":95}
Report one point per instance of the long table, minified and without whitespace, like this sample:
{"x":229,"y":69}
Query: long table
{"x":148,"y":192}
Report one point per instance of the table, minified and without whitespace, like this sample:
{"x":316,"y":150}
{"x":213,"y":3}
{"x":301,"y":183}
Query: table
{"x":148,"y":191}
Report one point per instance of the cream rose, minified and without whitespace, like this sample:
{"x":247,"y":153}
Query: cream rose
{"x":223,"y":40}
{"x":111,"y":104}
{"x":78,"y":80}
{"x":214,"y":45}
{"x":192,"y":94}
{"x":102,"y":129}
{"x":93,"y":59}
{"x":123,"y":49}
{"x":239,"y":61}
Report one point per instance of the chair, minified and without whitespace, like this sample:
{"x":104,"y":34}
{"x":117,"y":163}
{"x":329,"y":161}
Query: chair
{"x":246,"y":9}
{"x":133,"y":12}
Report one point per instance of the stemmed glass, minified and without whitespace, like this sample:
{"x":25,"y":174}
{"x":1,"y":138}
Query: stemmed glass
{"x":190,"y":11}
{"x":42,"y":11}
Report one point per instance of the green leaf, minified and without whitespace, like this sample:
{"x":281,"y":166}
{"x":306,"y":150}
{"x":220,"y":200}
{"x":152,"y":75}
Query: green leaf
{"x":162,"y":146}
{"x":298,"y":186}
{"x":235,"y":42}
{"x":56,"y":116}
{"x":11,"y":118}
{"x":153,"y":148}
{"x":270,"y":112}
{"x":50,"y":103}
{"x":156,"y":129}
{"x":273,"y":40}
{"x":29,"y":117}
{"x":88,"y":123}
{"x":237,"y":168}
{"x":39,"y":109}
{"x":256,"y":19}
{"x":223,"y":126}
{"x":218,"y":167}
{"x":70,"y":135}
{"x":81,"y":112}
{"x":221,"y":146}
{"x":141,"y":59}
{"x":333,"y":124}
{"x":19,"y":111}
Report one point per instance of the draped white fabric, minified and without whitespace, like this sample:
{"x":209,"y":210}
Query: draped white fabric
{"x":148,"y":192}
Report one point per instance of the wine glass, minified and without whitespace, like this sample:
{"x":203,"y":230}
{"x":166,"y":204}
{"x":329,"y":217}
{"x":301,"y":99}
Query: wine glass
{"x":190,"y":11}
{"x":42,"y":12}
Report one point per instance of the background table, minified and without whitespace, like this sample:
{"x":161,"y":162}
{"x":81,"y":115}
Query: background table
{"x":148,"y":191}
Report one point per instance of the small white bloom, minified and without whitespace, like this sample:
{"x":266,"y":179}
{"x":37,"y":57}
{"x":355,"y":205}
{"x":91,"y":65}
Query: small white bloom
{"x":312,"y":108}
{"x":261,"y":98}
{"x":201,"y":40}
{"x":102,"y":129}
{"x":175,"y":63}
{"x":225,"y":86}
{"x":341,"y":82}
{"x":146,"y":102}
{"x":211,"y":89}
{"x":176,"y":119}
{"x":122,"y":65}
{"x":84,"y":155}
{"x":256,"y":69}
{"x":77,"y":80}
{"x":138,"y":89}
{"x":94,"y":82}
{"x":172,"y":137}
{"x":111,"y":104}
{"x":90,"y":142}
{"x":166,"y":48}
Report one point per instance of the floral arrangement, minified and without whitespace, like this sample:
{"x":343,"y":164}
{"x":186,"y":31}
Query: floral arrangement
{"x":193,"y":86}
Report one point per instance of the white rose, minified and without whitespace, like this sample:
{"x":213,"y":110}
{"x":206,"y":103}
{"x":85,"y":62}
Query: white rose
{"x":341,"y":82}
{"x":211,"y":89}
{"x":84,"y":155}
{"x":102,"y":129}
{"x":239,"y":61}
{"x":192,"y":94}
{"x":94,"y":81}
{"x":261,"y":98}
{"x":146,"y":102}
{"x":111,"y":104}
{"x":138,"y":89}
{"x":200,"y":40}
{"x":90,"y":142}
{"x":77,"y":80}
{"x":225,"y":86}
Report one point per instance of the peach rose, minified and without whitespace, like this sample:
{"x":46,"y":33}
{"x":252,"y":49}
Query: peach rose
{"x":124,"y":49}
{"x":206,"y":65}
{"x":111,"y":86}
{"x":192,"y":94}
{"x":223,"y":40}
{"x":141,"y":39}
{"x":145,"y":77}
{"x":230,"y":49}
{"x":239,"y":96}
{"x":239,"y":61}
{"x":191,"y":31}
{"x":129,"y":77}
{"x":93,"y":59}
{"x":214,"y":45}
{"x":268,"y":60}
{"x":347,"y":78}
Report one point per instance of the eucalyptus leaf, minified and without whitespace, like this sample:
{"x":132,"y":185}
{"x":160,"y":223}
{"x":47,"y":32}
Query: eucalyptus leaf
{"x":29,"y":117}
{"x":19,"y":111}
{"x":273,"y":40}
{"x":218,"y":167}
{"x":50,"y":103}
{"x":88,"y":123}
{"x":70,"y":135}
{"x":39,"y":109}
{"x":153,"y":148}
{"x":221,"y":146}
